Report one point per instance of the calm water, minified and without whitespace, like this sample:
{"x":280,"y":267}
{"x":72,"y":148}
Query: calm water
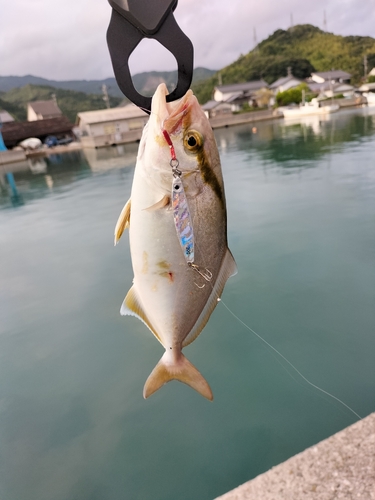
{"x":73,"y":423}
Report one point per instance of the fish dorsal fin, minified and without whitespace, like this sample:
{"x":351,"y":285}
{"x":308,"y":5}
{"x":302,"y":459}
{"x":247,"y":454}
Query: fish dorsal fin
{"x":228,"y":268}
{"x":133,"y":307}
{"x":123,"y":221}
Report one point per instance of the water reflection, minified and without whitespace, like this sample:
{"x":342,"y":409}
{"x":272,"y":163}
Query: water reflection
{"x":289,"y":144}
{"x":114,"y":157}
{"x":34,"y":178}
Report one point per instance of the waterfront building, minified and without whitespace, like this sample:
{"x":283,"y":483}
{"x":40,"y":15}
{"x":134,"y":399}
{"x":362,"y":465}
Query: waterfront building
{"x":239,"y":94}
{"x":15,"y":132}
{"x":106,"y":127}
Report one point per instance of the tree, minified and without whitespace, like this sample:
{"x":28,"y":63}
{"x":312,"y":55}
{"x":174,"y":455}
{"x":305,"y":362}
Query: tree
{"x":291,"y":96}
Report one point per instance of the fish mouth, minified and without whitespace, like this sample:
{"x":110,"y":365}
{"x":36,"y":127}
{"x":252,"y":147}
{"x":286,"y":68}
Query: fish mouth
{"x":171,"y":116}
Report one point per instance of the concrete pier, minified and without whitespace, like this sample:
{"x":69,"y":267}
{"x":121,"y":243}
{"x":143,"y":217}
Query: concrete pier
{"x":340,"y":467}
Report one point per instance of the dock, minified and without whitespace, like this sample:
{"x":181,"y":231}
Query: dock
{"x":340,"y":467}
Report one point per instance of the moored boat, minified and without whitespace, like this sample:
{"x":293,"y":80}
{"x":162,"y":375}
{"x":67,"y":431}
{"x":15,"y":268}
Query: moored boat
{"x":309,"y":108}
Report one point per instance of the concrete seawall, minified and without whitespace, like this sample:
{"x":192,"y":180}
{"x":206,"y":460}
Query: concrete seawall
{"x":340,"y":467}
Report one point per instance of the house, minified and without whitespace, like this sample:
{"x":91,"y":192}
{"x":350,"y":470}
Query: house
{"x":15,"y":132}
{"x":238,"y":94}
{"x":333,"y":76}
{"x":367,"y":87}
{"x":106,"y":127}
{"x":5,"y":117}
{"x":329,"y":89}
{"x":43,"y":110}
{"x":372,"y":72}
{"x":214,"y":108}
{"x":285,"y":83}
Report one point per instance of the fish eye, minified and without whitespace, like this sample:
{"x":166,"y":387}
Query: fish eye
{"x":193,"y":141}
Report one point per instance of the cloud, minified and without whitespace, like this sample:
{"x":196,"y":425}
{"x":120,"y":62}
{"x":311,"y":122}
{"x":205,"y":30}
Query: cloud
{"x":67,"y":40}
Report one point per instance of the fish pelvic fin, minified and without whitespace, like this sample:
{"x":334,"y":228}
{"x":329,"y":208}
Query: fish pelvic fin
{"x":132,"y":306}
{"x":176,"y":369}
{"x":123,"y":221}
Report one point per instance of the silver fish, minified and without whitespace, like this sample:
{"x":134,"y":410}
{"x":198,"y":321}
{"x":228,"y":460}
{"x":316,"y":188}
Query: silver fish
{"x":178,"y":234}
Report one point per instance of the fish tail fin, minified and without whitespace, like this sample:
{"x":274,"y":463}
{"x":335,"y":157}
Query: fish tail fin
{"x":180,"y":369}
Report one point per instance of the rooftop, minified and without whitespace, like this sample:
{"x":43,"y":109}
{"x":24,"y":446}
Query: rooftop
{"x":283,"y":81}
{"x":321,"y":87}
{"x":45,"y":108}
{"x":5,"y":117}
{"x":112,"y":114}
{"x":333,"y":75}
{"x":15,"y":132}
{"x":242,"y":87}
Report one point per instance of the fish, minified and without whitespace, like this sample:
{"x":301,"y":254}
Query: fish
{"x":177,"y":222}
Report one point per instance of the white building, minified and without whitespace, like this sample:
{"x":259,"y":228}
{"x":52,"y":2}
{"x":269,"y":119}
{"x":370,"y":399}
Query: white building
{"x":106,"y":127}
{"x":285,"y":83}
{"x":238,"y":90}
{"x":333,"y":76}
{"x":213,"y":108}
{"x":328,"y":89}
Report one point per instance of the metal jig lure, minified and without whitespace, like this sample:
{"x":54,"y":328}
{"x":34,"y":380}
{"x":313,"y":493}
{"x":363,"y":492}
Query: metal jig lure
{"x":182,"y":216}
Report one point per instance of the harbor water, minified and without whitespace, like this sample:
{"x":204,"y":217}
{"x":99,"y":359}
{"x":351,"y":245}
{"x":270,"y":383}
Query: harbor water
{"x":301,"y":226}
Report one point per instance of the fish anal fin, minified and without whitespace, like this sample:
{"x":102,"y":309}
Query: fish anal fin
{"x":227,"y":269}
{"x":132,"y":307}
{"x":180,"y":369}
{"x":123,"y":221}
{"x":164,"y":202}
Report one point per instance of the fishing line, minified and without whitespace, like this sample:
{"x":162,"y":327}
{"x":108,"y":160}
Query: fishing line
{"x":288,"y":362}
{"x":278,"y":353}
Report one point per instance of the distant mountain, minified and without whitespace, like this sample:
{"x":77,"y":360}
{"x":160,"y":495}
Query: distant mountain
{"x":304,"y":48}
{"x":145,"y":83}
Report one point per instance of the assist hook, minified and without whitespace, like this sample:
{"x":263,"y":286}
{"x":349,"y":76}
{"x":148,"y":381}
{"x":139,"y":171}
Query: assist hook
{"x":133,"y":20}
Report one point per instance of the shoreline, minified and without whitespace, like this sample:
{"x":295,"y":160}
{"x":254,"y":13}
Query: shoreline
{"x":220,"y":121}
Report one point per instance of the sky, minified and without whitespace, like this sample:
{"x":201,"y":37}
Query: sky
{"x":66,"y":40}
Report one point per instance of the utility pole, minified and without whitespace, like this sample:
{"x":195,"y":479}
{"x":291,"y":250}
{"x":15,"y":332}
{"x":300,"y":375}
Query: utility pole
{"x":324,"y":21}
{"x":291,"y":19}
{"x":255,"y":39}
{"x":365,"y":65}
{"x":105,"y":95}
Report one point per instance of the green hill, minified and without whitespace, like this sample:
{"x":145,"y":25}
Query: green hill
{"x":70,"y":102}
{"x":305,"y":48}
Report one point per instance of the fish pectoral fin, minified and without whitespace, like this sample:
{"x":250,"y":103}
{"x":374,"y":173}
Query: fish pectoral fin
{"x":123,"y":221}
{"x":181,"y":370}
{"x":133,"y":307}
{"x":164,"y":202}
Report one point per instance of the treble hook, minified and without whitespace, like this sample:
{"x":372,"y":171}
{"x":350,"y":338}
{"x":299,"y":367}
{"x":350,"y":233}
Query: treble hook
{"x":207,"y":276}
